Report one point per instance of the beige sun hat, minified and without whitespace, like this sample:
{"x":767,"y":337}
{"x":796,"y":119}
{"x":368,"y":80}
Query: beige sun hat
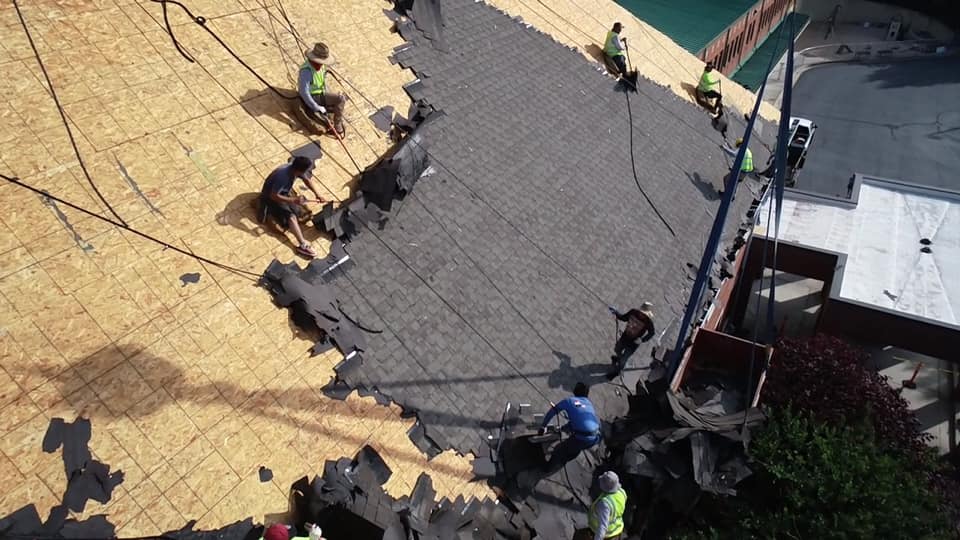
{"x":320,"y":54}
{"x":647,"y":309}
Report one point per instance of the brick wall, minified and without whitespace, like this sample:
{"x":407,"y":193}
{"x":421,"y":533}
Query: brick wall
{"x":735,"y":44}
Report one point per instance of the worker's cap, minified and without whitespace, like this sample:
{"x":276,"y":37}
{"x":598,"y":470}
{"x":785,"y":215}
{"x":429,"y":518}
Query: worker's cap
{"x":709,"y":65}
{"x":320,"y":54}
{"x":739,"y":141}
{"x":276,"y":531}
{"x":647,"y":309}
{"x":609,"y":482}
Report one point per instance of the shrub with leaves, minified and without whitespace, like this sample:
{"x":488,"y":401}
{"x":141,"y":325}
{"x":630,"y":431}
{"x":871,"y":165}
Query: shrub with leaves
{"x":826,"y":377}
{"x":825,"y":482}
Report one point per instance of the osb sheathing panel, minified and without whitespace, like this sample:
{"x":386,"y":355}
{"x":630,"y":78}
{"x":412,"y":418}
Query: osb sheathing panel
{"x":192,"y":387}
{"x":583,"y":24}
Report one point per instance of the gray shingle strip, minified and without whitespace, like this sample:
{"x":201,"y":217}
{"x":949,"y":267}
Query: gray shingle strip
{"x":492,"y":283}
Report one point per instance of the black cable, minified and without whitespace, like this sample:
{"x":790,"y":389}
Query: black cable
{"x":633,"y":166}
{"x":166,"y":22}
{"x":43,"y":193}
{"x":63,"y":116}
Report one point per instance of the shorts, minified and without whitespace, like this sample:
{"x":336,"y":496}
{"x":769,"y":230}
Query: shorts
{"x":279,"y":211}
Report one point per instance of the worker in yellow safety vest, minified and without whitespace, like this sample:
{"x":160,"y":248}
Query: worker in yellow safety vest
{"x":614,"y":48}
{"x":605,"y":518}
{"x":746,"y":167}
{"x":312,"y":87}
{"x":709,"y":87}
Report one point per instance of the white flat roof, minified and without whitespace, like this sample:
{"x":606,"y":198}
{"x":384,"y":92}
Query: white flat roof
{"x":881,"y":237}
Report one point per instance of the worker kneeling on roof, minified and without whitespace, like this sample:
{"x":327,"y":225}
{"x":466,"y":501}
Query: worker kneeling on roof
{"x":279,"y":202}
{"x":583,"y":426}
{"x":312,"y":87}
{"x":709,"y":87}
{"x":746,"y":167}
{"x":614,"y":48}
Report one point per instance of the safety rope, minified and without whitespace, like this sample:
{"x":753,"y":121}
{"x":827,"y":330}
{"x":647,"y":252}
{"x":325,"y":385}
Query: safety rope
{"x":202,"y":22}
{"x":63,"y":115}
{"x":166,"y":245}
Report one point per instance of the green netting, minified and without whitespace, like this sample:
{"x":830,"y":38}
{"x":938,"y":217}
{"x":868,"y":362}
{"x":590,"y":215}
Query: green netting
{"x":691,"y":23}
{"x":754,"y":70}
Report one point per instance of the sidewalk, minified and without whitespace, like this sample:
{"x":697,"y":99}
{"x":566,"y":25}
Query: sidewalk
{"x":847,"y":43}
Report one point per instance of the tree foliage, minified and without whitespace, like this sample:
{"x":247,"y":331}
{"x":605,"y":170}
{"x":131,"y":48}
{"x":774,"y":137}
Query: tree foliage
{"x":826,"y":482}
{"x":826,"y":377}
{"x":853,"y":465}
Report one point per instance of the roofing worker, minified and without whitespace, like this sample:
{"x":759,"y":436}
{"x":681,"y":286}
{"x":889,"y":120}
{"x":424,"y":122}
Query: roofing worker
{"x":279,"y":531}
{"x":639,"y":326}
{"x":605,"y":518}
{"x":582,"y":424}
{"x":312,"y":87}
{"x":614,"y":48}
{"x":276,"y":200}
{"x":709,"y":86}
{"x":746,"y":167}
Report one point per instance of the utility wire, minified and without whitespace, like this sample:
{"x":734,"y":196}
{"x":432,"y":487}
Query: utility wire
{"x":63,"y":116}
{"x":166,"y":245}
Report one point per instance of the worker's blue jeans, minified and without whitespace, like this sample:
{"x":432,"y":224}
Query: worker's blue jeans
{"x":567,"y":451}
{"x":621,"y":62}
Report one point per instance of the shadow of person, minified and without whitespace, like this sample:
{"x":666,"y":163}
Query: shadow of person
{"x":566,"y":376}
{"x":705,"y":187}
{"x":691,"y":91}
{"x":257,"y":102}
{"x":130,"y":382}
{"x":596,"y":53}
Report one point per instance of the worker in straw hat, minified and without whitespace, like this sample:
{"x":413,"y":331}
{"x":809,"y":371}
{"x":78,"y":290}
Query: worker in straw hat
{"x":639,"y":327}
{"x":312,"y":86}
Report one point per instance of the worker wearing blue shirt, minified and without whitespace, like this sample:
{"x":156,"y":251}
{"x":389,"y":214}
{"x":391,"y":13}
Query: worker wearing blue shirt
{"x":583,"y":426}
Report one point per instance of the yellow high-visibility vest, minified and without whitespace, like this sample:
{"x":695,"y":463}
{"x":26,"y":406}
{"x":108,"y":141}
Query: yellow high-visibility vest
{"x":617,"y":502}
{"x":319,"y":77}
{"x":608,"y":48}
{"x":710,"y":80}
{"x":747,"y":165}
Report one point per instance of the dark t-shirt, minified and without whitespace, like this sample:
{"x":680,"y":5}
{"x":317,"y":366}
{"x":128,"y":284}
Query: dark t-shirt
{"x":280,"y":181}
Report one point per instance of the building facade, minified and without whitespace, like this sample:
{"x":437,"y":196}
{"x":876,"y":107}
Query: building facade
{"x":734,"y":45}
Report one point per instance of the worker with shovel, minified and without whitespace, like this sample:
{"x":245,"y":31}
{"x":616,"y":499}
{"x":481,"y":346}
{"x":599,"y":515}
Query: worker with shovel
{"x":315,"y":100}
{"x":614,"y":48}
{"x":639,"y":327}
{"x":709,"y":88}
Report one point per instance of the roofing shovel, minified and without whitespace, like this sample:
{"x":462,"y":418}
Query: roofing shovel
{"x":631,"y":75}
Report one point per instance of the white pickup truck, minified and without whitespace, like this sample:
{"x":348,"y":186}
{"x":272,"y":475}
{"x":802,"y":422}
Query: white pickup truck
{"x":801,"y":135}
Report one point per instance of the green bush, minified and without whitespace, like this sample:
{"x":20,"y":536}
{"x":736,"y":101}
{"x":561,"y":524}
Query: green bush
{"x":824,"y":482}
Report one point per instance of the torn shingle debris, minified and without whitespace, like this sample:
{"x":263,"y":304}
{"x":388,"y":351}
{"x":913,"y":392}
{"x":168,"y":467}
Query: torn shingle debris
{"x":315,"y":307}
{"x":348,"y":501}
{"x":87,"y":479}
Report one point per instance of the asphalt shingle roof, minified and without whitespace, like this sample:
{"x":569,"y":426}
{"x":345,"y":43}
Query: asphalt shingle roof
{"x":491,"y":280}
